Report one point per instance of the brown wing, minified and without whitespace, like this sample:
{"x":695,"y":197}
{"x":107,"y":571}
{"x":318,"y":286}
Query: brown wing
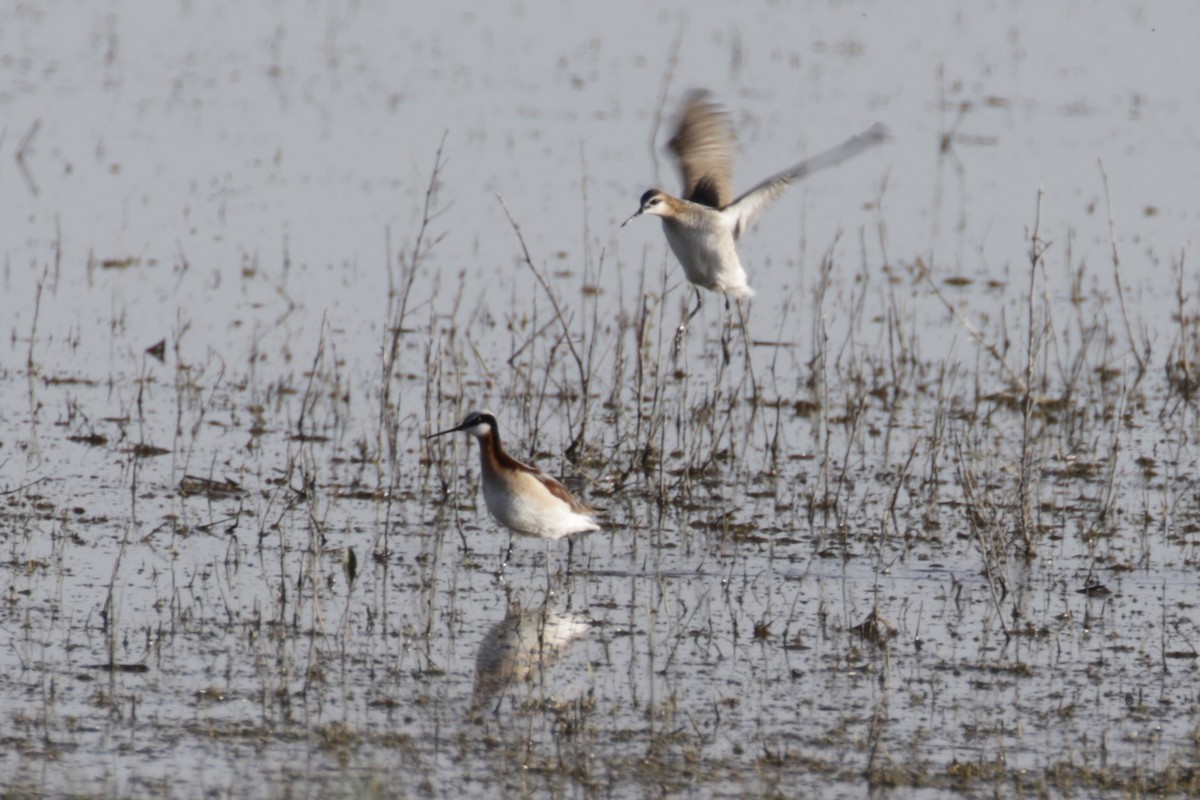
{"x":560,"y":491}
{"x":703,"y":143}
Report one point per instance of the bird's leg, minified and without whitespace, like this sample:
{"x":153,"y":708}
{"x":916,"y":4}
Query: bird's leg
{"x":570,"y":552}
{"x":681,"y":331}
{"x":746,"y":341}
{"x":726,"y":332}
{"x":505,"y":558}
{"x":699,"y":302}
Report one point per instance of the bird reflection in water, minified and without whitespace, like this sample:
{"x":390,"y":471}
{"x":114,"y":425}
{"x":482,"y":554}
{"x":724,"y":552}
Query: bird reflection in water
{"x":518,"y":648}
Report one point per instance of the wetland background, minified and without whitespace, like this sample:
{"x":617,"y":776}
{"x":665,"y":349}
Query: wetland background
{"x":931,"y":531}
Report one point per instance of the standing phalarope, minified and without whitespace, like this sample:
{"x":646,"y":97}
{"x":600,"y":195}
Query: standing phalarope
{"x":704,"y":225}
{"x":520,"y":497}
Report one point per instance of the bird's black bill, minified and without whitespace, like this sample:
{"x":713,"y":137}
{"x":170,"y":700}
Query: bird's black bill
{"x":455,"y":429}
{"x":632,"y":217}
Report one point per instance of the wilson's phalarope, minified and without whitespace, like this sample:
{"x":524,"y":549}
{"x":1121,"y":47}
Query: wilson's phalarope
{"x":521,"y":498}
{"x":703,"y":227}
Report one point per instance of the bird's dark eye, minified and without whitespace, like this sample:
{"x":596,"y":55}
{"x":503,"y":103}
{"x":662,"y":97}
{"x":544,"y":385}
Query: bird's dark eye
{"x":654,"y":201}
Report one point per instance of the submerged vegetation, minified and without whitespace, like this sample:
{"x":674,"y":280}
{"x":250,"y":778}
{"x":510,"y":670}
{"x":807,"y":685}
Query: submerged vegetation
{"x":827,"y":560}
{"x":921,"y":520}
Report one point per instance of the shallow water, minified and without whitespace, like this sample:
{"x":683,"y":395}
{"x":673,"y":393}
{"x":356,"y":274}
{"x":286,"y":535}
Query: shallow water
{"x":857,"y":557}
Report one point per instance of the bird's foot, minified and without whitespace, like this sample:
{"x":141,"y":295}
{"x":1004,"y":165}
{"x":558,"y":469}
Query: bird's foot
{"x":677,"y":342}
{"x":505,"y":557}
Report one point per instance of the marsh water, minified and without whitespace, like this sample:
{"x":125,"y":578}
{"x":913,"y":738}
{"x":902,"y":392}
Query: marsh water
{"x":921,"y":519}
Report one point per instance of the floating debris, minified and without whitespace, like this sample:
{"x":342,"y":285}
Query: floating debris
{"x":875,"y":628}
{"x":111,"y":667}
{"x":91,"y":439}
{"x":119,"y":263}
{"x":191,"y":484}
{"x":146,"y":451}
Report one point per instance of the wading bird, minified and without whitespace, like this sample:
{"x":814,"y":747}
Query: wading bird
{"x":523,"y":499}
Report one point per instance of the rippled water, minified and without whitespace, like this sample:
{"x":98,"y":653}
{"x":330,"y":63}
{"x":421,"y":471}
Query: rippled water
{"x":929,"y":531}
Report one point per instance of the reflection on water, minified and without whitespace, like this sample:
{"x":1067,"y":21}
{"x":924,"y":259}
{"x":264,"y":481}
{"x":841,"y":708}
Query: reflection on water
{"x":520,"y":647}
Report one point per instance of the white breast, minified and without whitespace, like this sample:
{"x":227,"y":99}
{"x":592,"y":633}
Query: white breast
{"x":527,"y":507}
{"x":708,"y":256}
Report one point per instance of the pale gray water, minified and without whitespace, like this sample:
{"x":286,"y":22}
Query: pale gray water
{"x":229,"y":179}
